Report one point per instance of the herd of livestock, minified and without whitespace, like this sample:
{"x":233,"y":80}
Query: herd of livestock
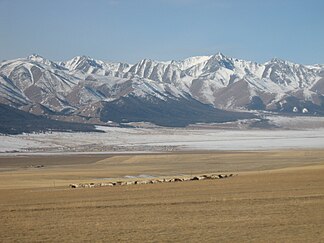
{"x":151,"y":181}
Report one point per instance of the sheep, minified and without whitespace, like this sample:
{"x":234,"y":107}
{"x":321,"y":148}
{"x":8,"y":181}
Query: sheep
{"x":74,"y":185}
{"x":153,"y":181}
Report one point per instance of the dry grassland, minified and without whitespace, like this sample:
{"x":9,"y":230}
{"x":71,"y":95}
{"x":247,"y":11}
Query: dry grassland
{"x":278,"y":197}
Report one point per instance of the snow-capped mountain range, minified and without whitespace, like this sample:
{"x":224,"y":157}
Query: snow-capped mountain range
{"x":85,"y":89}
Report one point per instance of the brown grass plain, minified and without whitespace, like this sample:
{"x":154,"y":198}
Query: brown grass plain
{"x":278,"y":196}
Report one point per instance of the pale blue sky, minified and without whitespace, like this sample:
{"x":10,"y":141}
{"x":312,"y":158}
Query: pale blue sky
{"x":130,"y":30}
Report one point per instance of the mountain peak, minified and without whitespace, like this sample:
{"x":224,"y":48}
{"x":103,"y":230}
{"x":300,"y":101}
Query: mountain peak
{"x":81,"y":62}
{"x":39,"y":59}
{"x":277,"y":60}
{"x":280,"y":61}
{"x":81,"y":58}
{"x":220,"y":55}
{"x":33,"y":56}
{"x":146,"y":60}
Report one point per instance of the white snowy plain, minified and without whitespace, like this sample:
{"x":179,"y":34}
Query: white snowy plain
{"x":134,"y":140}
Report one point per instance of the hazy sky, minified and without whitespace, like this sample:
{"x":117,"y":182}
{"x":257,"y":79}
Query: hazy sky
{"x":130,"y":30}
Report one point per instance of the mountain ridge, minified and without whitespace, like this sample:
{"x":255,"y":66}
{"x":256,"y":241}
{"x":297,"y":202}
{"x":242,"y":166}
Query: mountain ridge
{"x":82,"y":86}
